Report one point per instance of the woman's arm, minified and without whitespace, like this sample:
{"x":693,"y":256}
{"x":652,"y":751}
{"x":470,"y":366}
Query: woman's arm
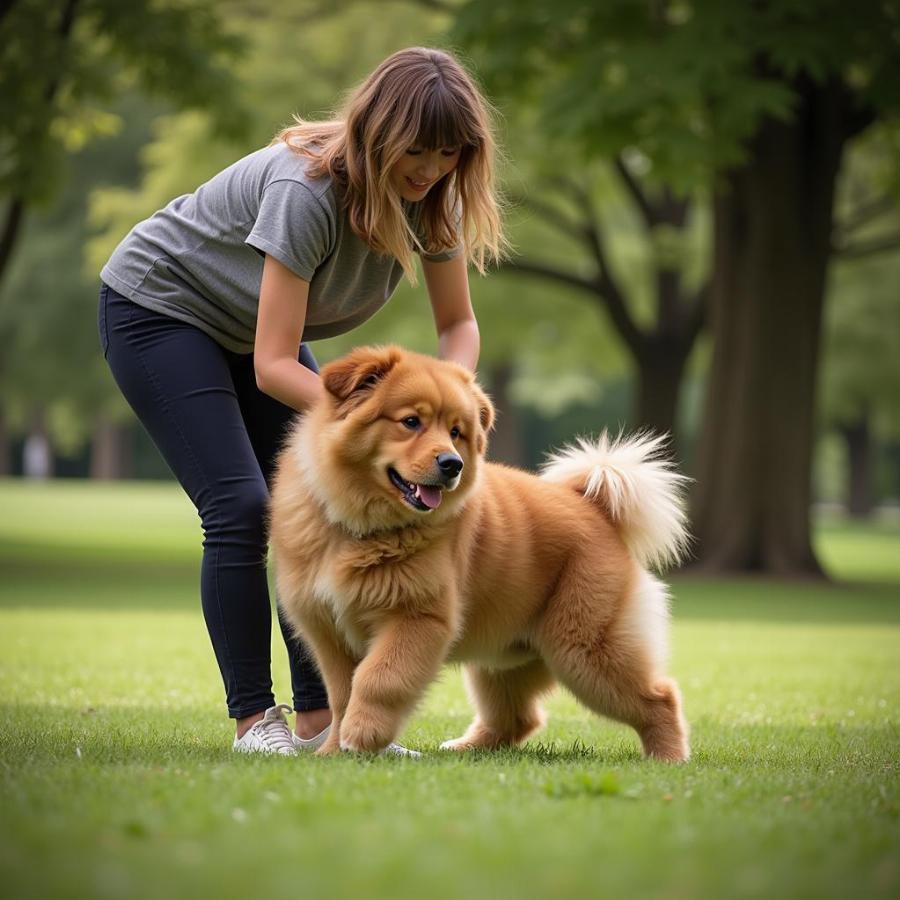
{"x":279,"y":327}
{"x":448,"y":290}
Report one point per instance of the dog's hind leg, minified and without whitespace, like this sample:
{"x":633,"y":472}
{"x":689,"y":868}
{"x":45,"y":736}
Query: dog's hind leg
{"x":613,"y":662}
{"x":506,"y":703}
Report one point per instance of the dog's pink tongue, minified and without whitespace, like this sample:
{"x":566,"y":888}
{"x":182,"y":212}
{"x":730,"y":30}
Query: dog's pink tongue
{"x":430,"y":496}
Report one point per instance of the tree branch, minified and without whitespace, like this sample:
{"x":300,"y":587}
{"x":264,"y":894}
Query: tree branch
{"x":551,"y":214}
{"x":868,"y":248}
{"x":608,"y":287}
{"x":532,"y":267}
{"x":863,"y":215}
{"x":66,"y":22}
{"x":633,"y":187}
{"x":601,"y":289}
{"x":671,"y":210}
{"x":605,"y":285}
{"x":16,"y":209}
{"x":11,"y":228}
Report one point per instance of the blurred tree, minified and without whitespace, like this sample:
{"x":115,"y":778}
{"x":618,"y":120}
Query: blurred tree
{"x":634,"y":251}
{"x":62,"y":64}
{"x":754,"y":102}
{"x":57,"y":380}
{"x":861,"y":383}
{"x":861,"y":370}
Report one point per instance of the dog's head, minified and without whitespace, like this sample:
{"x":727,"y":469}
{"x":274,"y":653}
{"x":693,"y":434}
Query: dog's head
{"x":397,"y":440}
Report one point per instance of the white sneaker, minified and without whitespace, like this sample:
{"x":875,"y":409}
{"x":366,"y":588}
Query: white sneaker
{"x":314,"y":743}
{"x":269,"y":735}
{"x":397,"y":750}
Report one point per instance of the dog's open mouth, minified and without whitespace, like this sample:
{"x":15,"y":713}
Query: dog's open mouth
{"x":423,"y":497}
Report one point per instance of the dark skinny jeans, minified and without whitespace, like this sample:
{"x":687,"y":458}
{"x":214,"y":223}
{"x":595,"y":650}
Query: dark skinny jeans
{"x":219,"y":434}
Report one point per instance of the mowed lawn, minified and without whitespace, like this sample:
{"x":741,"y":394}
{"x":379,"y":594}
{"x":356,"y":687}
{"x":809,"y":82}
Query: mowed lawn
{"x":117,"y":779}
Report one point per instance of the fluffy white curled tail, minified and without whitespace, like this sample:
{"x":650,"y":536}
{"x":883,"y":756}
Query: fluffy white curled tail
{"x":637,"y":487}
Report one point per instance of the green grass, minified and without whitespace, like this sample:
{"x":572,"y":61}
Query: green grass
{"x":116,"y":778}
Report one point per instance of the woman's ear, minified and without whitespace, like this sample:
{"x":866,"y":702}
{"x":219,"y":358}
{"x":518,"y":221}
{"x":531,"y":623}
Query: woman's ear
{"x":353,"y":377}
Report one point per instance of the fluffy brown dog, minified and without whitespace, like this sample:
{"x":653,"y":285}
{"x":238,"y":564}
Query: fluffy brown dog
{"x":399,"y":549}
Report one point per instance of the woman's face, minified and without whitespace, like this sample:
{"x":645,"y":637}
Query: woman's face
{"x":418,"y":170}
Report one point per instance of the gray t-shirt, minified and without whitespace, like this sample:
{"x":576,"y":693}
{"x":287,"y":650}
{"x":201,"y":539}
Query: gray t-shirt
{"x":201,"y":258}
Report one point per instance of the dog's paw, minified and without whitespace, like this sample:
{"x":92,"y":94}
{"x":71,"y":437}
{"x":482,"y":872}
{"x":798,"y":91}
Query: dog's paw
{"x":459,"y":744}
{"x":363,"y":740}
{"x":328,"y":750}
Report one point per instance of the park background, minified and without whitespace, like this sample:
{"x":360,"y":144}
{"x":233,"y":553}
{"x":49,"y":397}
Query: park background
{"x":704,"y":208}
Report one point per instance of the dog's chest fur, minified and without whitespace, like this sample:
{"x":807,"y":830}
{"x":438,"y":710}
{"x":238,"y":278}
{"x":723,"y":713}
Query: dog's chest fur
{"x":359,"y":580}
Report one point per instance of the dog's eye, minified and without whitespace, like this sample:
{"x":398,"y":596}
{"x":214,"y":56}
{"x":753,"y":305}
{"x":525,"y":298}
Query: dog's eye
{"x":412,"y":422}
{"x":455,"y":432}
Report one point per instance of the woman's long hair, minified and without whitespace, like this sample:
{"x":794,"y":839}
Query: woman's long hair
{"x":420,"y":98}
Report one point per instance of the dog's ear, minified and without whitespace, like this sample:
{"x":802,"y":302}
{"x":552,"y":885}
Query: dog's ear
{"x":486,"y":415}
{"x":351,"y":378}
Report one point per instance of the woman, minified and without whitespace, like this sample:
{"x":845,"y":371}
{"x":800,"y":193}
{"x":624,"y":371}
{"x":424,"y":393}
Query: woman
{"x":204,"y":305}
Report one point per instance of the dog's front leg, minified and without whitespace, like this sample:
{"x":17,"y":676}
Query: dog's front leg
{"x":403,"y":659}
{"x":336,"y":666}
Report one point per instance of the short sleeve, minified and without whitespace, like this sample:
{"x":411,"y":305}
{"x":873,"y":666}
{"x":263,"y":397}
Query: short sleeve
{"x":294,"y":226}
{"x":443,"y":256}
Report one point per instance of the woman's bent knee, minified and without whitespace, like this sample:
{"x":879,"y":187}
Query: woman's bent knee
{"x":238,"y":513}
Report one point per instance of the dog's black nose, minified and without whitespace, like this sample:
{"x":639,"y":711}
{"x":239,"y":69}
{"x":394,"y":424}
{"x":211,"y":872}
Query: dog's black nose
{"x":449,"y":464}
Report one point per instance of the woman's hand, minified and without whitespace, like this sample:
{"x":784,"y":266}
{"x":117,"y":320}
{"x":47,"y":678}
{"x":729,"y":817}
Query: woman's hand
{"x":454,"y":319}
{"x":283,"y":297}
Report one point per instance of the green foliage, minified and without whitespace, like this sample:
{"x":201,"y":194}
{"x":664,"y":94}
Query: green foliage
{"x":65,"y":68}
{"x":48,"y":299}
{"x":62,"y":66}
{"x":685,"y":82}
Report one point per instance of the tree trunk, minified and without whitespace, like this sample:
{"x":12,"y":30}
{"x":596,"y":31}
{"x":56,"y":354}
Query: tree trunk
{"x":506,"y":443}
{"x":15,"y":211}
{"x":111,"y":451}
{"x":858,"y":440}
{"x":660,"y":372}
{"x":773,"y":219}
{"x":12,"y":227}
{"x":5,"y":448}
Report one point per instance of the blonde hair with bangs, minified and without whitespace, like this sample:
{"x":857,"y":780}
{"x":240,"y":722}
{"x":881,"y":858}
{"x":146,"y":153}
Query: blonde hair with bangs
{"x":420,"y":98}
